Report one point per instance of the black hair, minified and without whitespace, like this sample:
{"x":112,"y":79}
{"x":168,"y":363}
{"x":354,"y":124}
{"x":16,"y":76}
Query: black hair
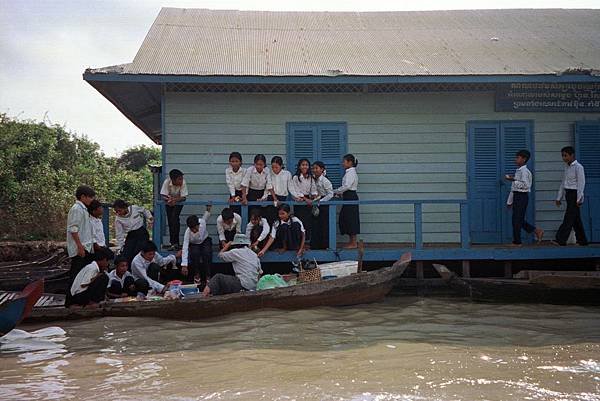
{"x":175,"y":174}
{"x":84,"y":190}
{"x":192,"y":221}
{"x":95,"y":204}
{"x":320,"y":164}
{"x":524,"y":153}
{"x":120,"y":259}
{"x":298,"y":173}
{"x":149,"y":246}
{"x":255,"y":213}
{"x":120,"y":204}
{"x":285,"y":207}
{"x":235,"y":155}
{"x":102,"y":254}
{"x":350,"y":157}
{"x":260,"y":156}
{"x":277,"y":160}
{"x":568,"y":150}
{"x":227,"y":213}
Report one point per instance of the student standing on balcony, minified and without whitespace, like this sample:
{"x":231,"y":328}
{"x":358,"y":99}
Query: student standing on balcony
{"x":320,"y":235}
{"x":256,"y":181}
{"x":234,"y":174}
{"x":304,"y":189}
{"x":279,"y":188}
{"x":174,"y":190}
{"x":349,"y":220}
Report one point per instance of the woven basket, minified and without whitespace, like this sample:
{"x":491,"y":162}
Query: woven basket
{"x":307,"y":276}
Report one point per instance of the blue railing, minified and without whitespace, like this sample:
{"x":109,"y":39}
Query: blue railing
{"x":158,"y":232}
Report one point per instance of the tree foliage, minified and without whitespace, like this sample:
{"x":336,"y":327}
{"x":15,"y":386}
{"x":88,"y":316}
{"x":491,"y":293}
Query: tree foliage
{"x":41,"y":166}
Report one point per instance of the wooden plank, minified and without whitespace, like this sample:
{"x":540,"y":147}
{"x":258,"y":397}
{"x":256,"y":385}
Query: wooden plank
{"x":531,"y":274}
{"x":466,"y":268}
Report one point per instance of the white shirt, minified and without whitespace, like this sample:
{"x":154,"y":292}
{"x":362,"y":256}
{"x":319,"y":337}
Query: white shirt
{"x":302,"y":187}
{"x":289,"y":222}
{"x":349,"y":181}
{"x":236,"y":225}
{"x":85,"y":276}
{"x":78,"y":221}
{"x":255,"y":180}
{"x":280,"y":182}
{"x":246,"y":265}
{"x":168,"y":189}
{"x":265,"y":229}
{"x":97,"y":231}
{"x":191,"y":237}
{"x":234,"y":179}
{"x":112,"y":276}
{"x":574,"y":178}
{"x":134,"y":219}
{"x":324,"y":188}
{"x":139,"y":267}
{"x":521,"y":183}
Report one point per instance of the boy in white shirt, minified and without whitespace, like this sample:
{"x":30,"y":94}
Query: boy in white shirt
{"x":146,"y":267}
{"x":257,"y":230}
{"x":196,"y":254}
{"x":174,"y":190}
{"x":234,"y":174}
{"x":130,"y":228}
{"x":571,"y":187}
{"x":120,"y":281}
{"x":518,"y":198}
{"x":80,"y":241}
{"x":228,"y":224}
{"x":89,"y":286}
{"x":96,"y":212}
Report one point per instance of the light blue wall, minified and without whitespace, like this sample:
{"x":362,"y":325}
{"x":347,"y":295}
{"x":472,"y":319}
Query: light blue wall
{"x":410,"y":146}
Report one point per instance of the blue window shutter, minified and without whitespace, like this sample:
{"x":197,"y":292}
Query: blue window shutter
{"x":515,"y":136}
{"x":301,"y":143}
{"x":332,"y":146}
{"x":587,"y":143}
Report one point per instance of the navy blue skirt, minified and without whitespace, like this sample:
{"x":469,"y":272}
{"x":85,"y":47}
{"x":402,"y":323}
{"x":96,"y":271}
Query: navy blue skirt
{"x":349,"y":215}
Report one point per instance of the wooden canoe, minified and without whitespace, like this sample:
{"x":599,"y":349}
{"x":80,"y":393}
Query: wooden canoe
{"x":15,"y":310}
{"x":551,"y":288}
{"x":359,"y":288}
{"x":54,"y":269}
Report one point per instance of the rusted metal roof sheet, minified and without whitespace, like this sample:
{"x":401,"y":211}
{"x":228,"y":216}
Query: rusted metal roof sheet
{"x":475,"y":42}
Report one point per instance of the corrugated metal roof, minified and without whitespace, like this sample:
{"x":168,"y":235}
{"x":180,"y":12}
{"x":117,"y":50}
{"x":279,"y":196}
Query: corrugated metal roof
{"x":475,"y":42}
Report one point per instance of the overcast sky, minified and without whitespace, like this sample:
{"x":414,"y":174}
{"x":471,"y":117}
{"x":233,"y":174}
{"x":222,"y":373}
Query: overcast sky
{"x":45,"y":46}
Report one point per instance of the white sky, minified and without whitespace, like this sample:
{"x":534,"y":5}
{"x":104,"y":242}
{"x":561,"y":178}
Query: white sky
{"x":45,"y":46}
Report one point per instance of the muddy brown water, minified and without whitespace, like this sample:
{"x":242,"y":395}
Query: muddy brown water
{"x":401,"y":349}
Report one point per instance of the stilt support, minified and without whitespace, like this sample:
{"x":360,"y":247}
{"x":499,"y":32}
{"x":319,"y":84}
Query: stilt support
{"x":466,"y":268}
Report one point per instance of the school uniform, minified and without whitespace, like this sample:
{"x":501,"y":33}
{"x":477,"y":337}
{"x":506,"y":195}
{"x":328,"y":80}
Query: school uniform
{"x":227,"y":231}
{"x":304,"y":187}
{"x":572,"y":189}
{"x":256,"y":183}
{"x":349,"y":220}
{"x":78,"y":221}
{"x":98,"y":235}
{"x":288,"y":234}
{"x":258,"y":232}
{"x":280,"y":184}
{"x":118,"y":285}
{"x":148,"y":272}
{"x":173,"y":212}
{"x":94,"y":291}
{"x":234,"y":184}
{"x":197,"y":250}
{"x":519,"y":199}
{"x":247,"y":268}
{"x":131,"y":231}
{"x":320,"y":234}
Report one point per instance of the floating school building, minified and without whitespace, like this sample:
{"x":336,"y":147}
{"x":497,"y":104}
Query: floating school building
{"x":433,"y":104}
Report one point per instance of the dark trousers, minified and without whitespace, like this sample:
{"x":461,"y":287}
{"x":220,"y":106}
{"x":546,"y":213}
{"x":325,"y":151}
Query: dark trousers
{"x":154,"y":272}
{"x":78,"y":263}
{"x":134,"y":242}
{"x":270,"y":212}
{"x":254,"y":195}
{"x":520,"y":202}
{"x":304,"y":213}
{"x":255,"y":234}
{"x":229,"y":236}
{"x":200,"y":259}
{"x":320,"y":232}
{"x":571,"y":221}
{"x":221,"y":284}
{"x":173,"y":213}
{"x":115,"y":287}
{"x":95,"y":292}
{"x":288,"y":236}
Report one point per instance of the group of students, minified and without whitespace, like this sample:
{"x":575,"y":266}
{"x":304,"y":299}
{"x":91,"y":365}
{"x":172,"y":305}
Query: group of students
{"x":571,"y":189}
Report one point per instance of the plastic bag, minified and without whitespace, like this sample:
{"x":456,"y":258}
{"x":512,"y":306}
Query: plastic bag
{"x":269,"y":281}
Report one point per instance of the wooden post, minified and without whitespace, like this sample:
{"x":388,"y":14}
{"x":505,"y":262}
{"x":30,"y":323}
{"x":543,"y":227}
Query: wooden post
{"x":420,"y":271}
{"x":361,"y":254}
{"x":466,"y":268}
{"x":507,"y":269}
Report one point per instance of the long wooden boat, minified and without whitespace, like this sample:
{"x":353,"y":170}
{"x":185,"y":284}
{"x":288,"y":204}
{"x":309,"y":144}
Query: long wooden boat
{"x":552,"y":287}
{"x":359,"y":288}
{"x":13,"y":311}
{"x":54,"y":269}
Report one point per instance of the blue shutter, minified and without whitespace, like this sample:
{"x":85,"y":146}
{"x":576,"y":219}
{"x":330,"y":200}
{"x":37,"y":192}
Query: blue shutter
{"x":587,"y":142}
{"x":301,"y":143}
{"x":484,"y":176}
{"x":332,"y":146}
